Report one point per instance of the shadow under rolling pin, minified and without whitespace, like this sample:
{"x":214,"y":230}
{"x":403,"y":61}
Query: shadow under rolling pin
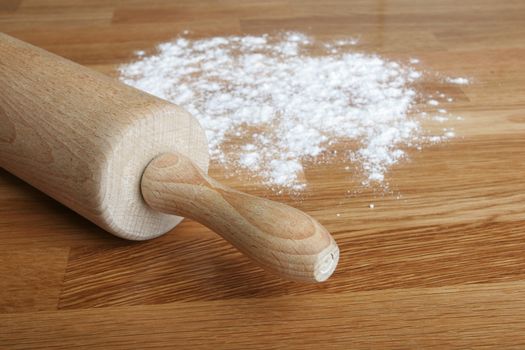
{"x":135,"y":164}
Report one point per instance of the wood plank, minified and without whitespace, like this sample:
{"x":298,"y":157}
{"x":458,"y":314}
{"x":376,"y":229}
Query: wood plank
{"x":476,"y":316}
{"x":94,"y":44}
{"x":35,"y":284}
{"x":9,"y":6}
{"x":208,"y":269}
{"x":54,"y":17}
{"x":200,"y":11}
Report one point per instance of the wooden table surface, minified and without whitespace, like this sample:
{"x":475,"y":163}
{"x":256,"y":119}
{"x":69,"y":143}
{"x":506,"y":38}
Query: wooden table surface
{"x":441,"y":267}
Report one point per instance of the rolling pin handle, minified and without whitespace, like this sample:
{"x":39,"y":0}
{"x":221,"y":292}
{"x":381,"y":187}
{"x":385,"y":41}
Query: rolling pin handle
{"x":281,"y":239}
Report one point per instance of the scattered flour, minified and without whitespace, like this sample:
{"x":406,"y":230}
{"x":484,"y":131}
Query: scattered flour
{"x":287,"y":98}
{"x":459,"y":81}
{"x":440,"y":119}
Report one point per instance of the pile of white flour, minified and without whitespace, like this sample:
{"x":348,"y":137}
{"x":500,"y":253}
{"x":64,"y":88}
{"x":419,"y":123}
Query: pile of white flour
{"x":287,"y":98}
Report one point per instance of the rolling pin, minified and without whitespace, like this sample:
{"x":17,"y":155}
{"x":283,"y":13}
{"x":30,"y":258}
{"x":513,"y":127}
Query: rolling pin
{"x":135,"y":164}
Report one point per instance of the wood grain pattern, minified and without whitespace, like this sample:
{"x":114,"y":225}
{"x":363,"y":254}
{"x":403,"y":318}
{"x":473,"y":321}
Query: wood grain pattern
{"x":442,"y":267}
{"x":85,"y":139}
{"x":476,"y":316}
{"x":35,"y":284}
{"x":281,"y":239}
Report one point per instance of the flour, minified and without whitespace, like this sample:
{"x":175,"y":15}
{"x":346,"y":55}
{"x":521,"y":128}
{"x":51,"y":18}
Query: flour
{"x":288,"y":99}
{"x":458,"y":81}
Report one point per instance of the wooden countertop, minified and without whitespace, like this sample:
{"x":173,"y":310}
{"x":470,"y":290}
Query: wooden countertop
{"x":442,"y":267}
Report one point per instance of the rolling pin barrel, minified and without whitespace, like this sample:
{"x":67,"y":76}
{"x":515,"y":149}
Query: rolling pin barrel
{"x":135,"y":164}
{"x":85,"y":139}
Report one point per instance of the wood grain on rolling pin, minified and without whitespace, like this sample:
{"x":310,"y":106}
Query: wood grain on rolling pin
{"x":85,"y":139}
{"x":279,"y":238}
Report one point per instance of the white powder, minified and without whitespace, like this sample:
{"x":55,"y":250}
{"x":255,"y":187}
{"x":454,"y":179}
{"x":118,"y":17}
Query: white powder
{"x":459,"y":81}
{"x":288,"y":98}
{"x":440,"y":119}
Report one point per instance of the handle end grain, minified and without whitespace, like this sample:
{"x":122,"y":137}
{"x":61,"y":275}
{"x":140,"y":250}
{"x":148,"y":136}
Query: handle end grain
{"x":326,"y":263}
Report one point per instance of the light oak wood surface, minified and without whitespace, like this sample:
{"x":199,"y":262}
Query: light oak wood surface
{"x":441,"y":267}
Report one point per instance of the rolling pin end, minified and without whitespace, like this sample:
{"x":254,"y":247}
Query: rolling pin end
{"x":326,"y":263}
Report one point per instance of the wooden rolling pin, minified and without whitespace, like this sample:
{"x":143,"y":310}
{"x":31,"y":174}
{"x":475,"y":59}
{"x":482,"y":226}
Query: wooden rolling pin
{"x":134,"y":164}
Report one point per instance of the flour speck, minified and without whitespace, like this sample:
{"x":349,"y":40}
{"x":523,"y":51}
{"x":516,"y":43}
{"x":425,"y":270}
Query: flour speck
{"x":458,"y":81}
